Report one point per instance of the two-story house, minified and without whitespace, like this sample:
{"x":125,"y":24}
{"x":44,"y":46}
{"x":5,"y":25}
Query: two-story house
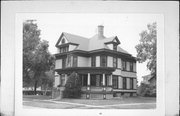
{"x":105,"y":69}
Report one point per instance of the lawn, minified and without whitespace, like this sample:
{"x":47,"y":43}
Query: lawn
{"x":115,"y":103}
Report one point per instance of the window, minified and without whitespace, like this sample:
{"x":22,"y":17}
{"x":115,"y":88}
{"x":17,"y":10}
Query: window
{"x":131,"y":66}
{"x":115,"y":82}
{"x":64,"y":49}
{"x":103,"y":61}
{"x":63,"y":41}
{"x":64,"y":62}
{"x":83,"y":79}
{"x":96,"y":80}
{"x":68,"y":64}
{"x":131,"y":83}
{"x":93,"y":61}
{"x":115,"y":47}
{"x":115,"y":62}
{"x":74,"y":61}
{"x":123,"y":65}
{"x":62,"y":80}
{"x":124,"y":83}
{"x":107,"y":80}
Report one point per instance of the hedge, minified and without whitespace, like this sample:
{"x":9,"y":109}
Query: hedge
{"x":38,"y":92}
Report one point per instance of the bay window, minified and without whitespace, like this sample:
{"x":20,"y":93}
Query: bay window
{"x":115,"y":81}
{"x":123,"y":65}
{"x":103,"y":61}
{"x":93,"y":61}
{"x":115,"y":62}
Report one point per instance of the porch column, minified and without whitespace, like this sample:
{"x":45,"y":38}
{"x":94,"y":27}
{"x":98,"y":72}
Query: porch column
{"x":60,"y":80}
{"x":65,"y":78}
{"x":104,"y":79}
{"x":89,"y":80}
{"x":110,"y":80}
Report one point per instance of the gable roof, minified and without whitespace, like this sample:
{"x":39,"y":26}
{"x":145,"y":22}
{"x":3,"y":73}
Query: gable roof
{"x":89,"y":44}
{"x":81,"y":41}
{"x":148,"y":77}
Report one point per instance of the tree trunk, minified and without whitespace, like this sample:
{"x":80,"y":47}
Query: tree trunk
{"x":35,"y":86}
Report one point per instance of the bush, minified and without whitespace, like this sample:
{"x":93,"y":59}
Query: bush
{"x":147,"y":90}
{"x":72,"y":87}
{"x":38,"y":92}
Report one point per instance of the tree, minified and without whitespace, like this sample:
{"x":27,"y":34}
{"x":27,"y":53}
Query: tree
{"x":72,"y":87}
{"x":36,"y":58}
{"x":146,"y":49}
{"x":30,"y":41}
{"x":47,"y":80}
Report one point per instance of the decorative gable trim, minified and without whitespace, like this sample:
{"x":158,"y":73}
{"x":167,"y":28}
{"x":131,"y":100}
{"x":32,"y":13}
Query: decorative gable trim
{"x":114,"y":41}
{"x":60,"y":40}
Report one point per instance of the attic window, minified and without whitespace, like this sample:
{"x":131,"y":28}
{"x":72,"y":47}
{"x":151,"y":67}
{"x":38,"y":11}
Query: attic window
{"x":63,"y":41}
{"x":115,"y":47}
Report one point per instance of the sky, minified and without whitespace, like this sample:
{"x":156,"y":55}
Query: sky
{"x":126,"y":27}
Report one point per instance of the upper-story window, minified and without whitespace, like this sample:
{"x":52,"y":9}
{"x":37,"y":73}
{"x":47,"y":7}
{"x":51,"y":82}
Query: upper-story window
{"x":93,"y":61}
{"x":131,"y":66}
{"x":68,"y":63}
{"x":103,"y":61}
{"x":64,"y":49}
{"x":64,"y":62}
{"x":123,"y":65}
{"x":115,"y":62}
{"x":124,"y":83}
{"x":74,"y":61}
{"x":63,"y":41}
{"x":115,"y":47}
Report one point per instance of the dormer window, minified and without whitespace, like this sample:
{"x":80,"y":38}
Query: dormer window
{"x":64,"y":49}
{"x":115,"y":47}
{"x":63,"y":41}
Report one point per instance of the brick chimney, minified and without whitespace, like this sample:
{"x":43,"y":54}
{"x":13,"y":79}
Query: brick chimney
{"x":100,"y":31}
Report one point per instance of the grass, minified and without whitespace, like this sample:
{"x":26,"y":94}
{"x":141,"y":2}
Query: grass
{"x":35,"y":97}
{"x":111,"y":101}
{"x":115,"y":103}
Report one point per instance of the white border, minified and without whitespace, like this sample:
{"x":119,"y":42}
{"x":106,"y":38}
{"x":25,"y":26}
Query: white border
{"x":169,"y":48}
{"x":18,"y":75}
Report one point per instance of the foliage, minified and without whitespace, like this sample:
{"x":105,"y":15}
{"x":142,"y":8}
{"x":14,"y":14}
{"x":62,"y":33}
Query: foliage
{"x":47,"y":81}
{"x":147,"y":90}
{"x":38,"y":92}
{"x":146,"y":49}
{"x":36,"y":58}
{"x":72,"y":87}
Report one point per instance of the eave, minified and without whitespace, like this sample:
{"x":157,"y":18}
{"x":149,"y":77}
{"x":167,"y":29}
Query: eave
{"x":98,"y":52}
{"x":85,"y":70}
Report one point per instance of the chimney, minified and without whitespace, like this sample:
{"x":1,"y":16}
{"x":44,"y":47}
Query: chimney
{"x":100,"y":31}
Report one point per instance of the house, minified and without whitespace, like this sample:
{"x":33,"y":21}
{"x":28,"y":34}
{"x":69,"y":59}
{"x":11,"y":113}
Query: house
{"x":149,"y":79}
{"x":106,"y":70}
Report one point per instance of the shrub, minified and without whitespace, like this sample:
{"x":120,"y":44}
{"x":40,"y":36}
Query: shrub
{"x":147,"y":90}
{"x":38,"y":92}
{"x":72,"y":87}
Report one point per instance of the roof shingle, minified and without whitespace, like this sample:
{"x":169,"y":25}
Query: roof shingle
{"x":93,"y":43}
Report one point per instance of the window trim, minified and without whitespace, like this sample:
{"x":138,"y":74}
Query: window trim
{"x":131,"y":67}
{"x":114,"y":47}
{"x":63,"y":62}
{"x":115,"y":63}
{"x":63,"y":41}
{"x":124,"y":65}
{"x":124,"y":83}
{"x":75,"y":62}
{"x":101,"y":63}
{"x":93,"y":58}
{"x":115,"y":77}
{"x":131,"y":83}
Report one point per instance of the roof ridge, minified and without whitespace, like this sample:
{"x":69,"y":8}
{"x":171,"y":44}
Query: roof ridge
{"x":74,"y":35}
